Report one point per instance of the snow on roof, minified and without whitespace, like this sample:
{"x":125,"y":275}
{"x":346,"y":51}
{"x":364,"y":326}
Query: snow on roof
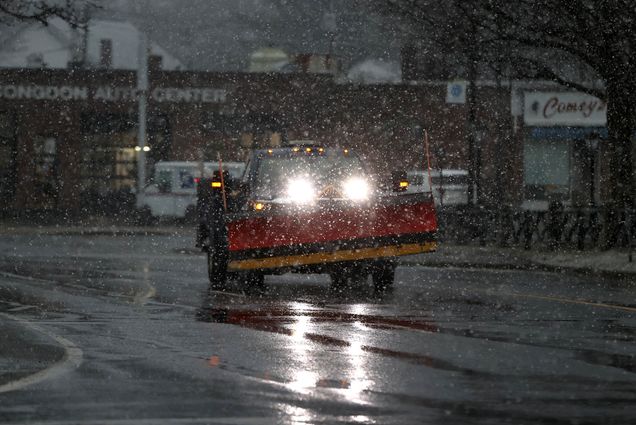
{"x":436,"y":172}
{"x":268,"y":59}
{"x":52,"y":46}
{"x":196,"y":164}
{"x":375,"y":71}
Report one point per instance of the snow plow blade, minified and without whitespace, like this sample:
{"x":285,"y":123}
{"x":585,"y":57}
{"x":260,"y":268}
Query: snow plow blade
{"x":394,"y":226}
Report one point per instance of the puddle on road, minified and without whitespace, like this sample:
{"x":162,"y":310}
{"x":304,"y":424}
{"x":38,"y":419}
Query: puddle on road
{"x":619,"y":361}
{"x":283,"y":318}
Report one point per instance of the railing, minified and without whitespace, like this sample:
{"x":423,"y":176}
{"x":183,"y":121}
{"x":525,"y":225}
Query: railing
{"x":580,"y":228}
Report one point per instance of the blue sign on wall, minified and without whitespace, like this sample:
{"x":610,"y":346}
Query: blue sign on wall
{"x":567,"y":133}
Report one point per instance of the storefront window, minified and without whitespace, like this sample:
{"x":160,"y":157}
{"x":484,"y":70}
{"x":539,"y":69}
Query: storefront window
{"x":546,"y":169}
{"x":108,"y":168}
{"x":45,"y":173}
{"x":108,"y":155}
{"x":44,"y":155}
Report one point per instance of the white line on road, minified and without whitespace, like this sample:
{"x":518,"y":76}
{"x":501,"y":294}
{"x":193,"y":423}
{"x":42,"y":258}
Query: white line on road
{"x":23,"y":277}
{"x":229,"y":294}
{"x":575,"y":301}
{"x":71,"y":360}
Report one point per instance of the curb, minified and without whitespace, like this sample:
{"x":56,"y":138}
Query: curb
{"x":31,"y":338}
{"x":531,"y":266}
{"x":94,"y":231}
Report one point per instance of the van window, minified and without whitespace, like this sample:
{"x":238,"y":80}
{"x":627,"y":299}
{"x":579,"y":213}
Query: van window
{"x":186,"y":179}
{"x":164,"y":181}
{"x":449,"y":180}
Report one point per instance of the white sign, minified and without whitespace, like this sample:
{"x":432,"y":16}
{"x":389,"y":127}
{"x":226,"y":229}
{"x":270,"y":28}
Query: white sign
{"x":17,"y":92}
{"x":112,"y":94}
{"x":456,"y":92}
{"x":189,"y":95}
{"x":544,"y":109}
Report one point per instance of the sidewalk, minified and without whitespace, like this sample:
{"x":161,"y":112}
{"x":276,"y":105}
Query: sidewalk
{"x":612,"y":263}
{"x":96,"y":228}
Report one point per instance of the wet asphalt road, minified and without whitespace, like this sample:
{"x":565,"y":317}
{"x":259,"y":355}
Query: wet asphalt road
{"x":146,"y":342}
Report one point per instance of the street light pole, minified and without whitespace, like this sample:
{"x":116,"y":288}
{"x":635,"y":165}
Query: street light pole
{"x":478,"y":140}
{"x":473,"y":165}
{"x":142,"y":99}
{"x":592,"y":145}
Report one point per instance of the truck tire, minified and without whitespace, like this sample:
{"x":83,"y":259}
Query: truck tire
{"x":254,"y":281}
{"x":383,"y":275}
{"x":190,"y":215}
{"x":347,"y":275}
{"x":217,"y":268}
{"x":338,"y":280}
{"x":144,"y":217}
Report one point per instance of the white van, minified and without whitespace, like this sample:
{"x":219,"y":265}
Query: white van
{"x":450,"y":186}
{"x":173,"y":191}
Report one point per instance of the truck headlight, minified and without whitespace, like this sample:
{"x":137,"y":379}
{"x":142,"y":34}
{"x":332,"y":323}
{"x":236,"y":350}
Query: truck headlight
{"x":301,"y":191}
{"x":356,"y":189}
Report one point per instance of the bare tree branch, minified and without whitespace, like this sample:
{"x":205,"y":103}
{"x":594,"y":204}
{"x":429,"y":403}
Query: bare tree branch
{"x":72,"y":11}
{"x":547,"y":73}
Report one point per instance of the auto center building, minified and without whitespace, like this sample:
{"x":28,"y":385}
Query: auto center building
{"x":69,"y":135}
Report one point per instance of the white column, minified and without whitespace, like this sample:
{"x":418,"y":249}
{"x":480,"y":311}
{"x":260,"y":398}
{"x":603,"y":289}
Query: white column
{"x":142,"y":98}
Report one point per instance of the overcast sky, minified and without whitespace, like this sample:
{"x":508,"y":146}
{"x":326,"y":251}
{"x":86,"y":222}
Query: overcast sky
{"x":220,"y":34}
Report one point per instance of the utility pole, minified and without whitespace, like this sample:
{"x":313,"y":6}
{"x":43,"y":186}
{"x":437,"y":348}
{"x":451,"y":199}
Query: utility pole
{"x":473,"y":161}
{"x":330,"y":26}
{"x":86,"y":17}
{"x":142,"y":99}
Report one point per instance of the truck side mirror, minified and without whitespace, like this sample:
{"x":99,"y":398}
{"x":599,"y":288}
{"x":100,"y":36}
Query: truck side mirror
{"x":217,"y":182}
{"x":399,"y":181}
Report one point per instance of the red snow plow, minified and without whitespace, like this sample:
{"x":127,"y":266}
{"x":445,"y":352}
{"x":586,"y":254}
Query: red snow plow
{"x":310,"y":209}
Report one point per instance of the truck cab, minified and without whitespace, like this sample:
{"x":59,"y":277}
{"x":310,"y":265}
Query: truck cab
{"x":311,"y":209}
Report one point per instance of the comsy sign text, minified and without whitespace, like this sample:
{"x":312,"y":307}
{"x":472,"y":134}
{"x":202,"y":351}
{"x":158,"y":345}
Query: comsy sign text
{"x":563,"y":109}
{"x":112,"y":94}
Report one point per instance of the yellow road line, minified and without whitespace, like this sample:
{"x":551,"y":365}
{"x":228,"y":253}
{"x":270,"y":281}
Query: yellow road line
{"x":580,"y":302}
{"x":332,"y":257}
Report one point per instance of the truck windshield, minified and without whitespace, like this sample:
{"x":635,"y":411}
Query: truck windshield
{"x":450,"y":180}
{"x":274,"y":173}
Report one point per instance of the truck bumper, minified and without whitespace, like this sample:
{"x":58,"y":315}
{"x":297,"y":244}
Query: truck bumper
{"x":401,"y":225}
{"x":338,"y":256}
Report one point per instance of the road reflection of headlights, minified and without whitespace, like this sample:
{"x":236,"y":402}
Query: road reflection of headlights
{"x":356,"y":189}
{"x":301,"y":191}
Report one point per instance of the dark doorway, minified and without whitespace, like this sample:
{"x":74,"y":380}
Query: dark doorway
{"x":8,"y":155}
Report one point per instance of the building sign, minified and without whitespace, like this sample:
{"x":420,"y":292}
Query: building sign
{"x":456,"y":92}
{"x":112,"y":94}
{"x":43,"y":92}
{"x":545,"y":109}
{"x":189,"y":95}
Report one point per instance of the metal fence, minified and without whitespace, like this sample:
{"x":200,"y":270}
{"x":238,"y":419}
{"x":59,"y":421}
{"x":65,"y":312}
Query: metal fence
{"x":579,"y":228}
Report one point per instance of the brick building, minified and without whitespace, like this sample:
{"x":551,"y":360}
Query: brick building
{"x":70,"y":135}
